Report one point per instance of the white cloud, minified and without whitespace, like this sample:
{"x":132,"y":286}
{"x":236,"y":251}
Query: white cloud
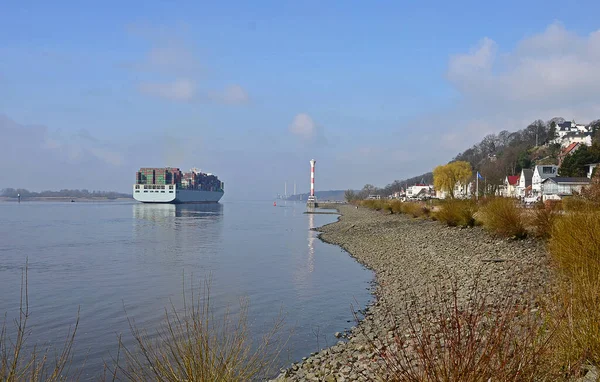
{"x":233,"y":94}
{"x":556,"y":68}
{"x":178,"y":90}
{"x":550,"y":74}
{"x":170,"y":56}
{"x":303,"y":126}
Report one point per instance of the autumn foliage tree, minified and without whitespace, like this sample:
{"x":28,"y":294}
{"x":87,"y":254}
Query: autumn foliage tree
{"x":445,"y":177}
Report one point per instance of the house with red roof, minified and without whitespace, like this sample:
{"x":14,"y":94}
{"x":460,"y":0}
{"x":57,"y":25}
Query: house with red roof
{"x":570,"y":149}
{"x":510,"y":186}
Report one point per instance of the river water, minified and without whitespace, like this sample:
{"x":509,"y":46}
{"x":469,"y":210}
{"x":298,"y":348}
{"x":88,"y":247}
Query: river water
{"x":114,"y":260}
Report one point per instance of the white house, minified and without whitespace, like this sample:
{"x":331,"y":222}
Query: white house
{"x":591,"y":168}
{"x":539,"y":174}
{"x":555,"y":188}
{"x":419,"y":190}
{"x":524,"y":182}
{"x":583,"y":138}
{"x":511,"y":183}
{"x":570,"y":132}
{"x":463,"y":191}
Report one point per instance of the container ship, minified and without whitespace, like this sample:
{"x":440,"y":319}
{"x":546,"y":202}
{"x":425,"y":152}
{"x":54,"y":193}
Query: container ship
{"x":171,"y":185}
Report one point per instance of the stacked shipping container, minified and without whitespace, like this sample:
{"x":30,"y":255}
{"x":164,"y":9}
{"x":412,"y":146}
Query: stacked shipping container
{"x":193,"y":180}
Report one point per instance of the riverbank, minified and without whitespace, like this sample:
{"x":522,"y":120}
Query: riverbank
{"x":409,"y":257}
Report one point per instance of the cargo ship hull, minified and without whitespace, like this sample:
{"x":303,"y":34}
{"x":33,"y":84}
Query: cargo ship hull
{"x":176,"y":196}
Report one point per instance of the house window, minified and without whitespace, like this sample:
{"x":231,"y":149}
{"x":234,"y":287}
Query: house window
{"x":548,"y":170}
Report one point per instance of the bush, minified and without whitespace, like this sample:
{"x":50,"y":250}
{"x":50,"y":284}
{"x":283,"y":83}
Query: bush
{"x":194,"y":345}
{"x":575,"y":248}
{"x":457,"y":213}
{"x":503,"y":217}
{"x":413,"y":209}
{"x":544,"y":217}
{"x":374,"y":204}
{"x":396,"y":206}
{"x":16,"y":365}
{"x":472,"y":341}
{"x":553,"y":205}
{"x":577,"y":204}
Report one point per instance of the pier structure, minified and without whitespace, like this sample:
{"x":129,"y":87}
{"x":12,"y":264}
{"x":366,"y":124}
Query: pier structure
{"x":312,"y":199}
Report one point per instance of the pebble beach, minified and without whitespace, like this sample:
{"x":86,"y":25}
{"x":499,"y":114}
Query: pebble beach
{"x":410,"y":257}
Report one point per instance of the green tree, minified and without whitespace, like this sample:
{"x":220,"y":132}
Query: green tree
{"x":445,"y":177}
{"x":575,"y":164}
{"x":552,"y":131}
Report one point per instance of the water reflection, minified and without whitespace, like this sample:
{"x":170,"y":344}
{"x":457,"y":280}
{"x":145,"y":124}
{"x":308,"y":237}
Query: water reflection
{"x":306,"y":262}
{"x":180,"y":230}
{"x":163,"y":212}
{"x":311,"y":243}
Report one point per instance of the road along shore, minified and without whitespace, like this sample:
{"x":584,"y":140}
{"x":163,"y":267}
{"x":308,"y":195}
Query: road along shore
{"x":410,"y":257}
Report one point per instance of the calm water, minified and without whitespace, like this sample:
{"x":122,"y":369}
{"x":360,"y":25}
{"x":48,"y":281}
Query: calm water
{"x":109,"y":257}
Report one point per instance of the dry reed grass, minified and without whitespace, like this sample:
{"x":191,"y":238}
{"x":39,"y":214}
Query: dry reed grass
{"x":502,"y":216}
{"x":467,"y":342}
{"x":18,"y":363}
{"x":575,"y":248}
{"x":195,"y":345}
{"x":457,"y":212}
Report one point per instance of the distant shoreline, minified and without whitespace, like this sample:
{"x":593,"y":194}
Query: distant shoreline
{"x":61,"y":199}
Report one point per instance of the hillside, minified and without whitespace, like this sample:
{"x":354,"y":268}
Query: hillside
{"x":505,"y":153}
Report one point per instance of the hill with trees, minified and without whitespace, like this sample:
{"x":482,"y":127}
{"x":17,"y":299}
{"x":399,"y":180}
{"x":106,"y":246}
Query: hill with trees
{"x":507,"y":153}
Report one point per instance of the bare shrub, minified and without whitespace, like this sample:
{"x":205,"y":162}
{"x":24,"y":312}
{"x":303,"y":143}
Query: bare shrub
{"x":478,"y":340}
{"x":194,"y":345}
{"x":18,"y":364}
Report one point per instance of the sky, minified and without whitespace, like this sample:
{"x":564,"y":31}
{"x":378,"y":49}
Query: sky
{"x":251,"y":91}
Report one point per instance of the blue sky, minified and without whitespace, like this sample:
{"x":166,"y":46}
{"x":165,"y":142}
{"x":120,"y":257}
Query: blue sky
{"x":253,"y":90}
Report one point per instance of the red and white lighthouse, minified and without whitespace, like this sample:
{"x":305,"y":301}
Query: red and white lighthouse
{"x":312,"y":200}
{"x":312,"y":177}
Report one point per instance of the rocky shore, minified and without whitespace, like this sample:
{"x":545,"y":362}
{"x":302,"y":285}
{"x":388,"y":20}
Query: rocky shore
{"x":409,"y":257}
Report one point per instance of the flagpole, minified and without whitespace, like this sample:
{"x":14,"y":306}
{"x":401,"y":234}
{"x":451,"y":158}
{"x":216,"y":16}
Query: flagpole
{"x":477,"y":189}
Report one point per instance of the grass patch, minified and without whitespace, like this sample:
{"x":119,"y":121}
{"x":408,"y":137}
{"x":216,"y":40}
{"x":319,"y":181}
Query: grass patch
{"x":374,"y":204}
{"x":414,"y":209}
{"x":457,"y":212}
{"x":575,"y":247}
{"x":543,"y":219}
{"x":396,"y":206}
{"x":578,"y":204}
{"x":502,"y":216}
